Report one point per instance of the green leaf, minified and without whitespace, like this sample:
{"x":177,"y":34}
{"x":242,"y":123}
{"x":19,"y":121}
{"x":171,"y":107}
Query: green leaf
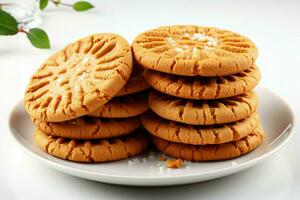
{"x":43,"y":4}
{"x":8,"y":24}
{"x":82,"y":6}
{"x":38,"y":38}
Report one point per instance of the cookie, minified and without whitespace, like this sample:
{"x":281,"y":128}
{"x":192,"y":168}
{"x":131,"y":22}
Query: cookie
{"x":203,"y":112}
{"x":211,"y":152}
{"x":136,"y":83}
{"x":198,"y":135}
{"x":80,"y":78}
{"x":90,"y":151}
{"x":89,"y":127}
{"x":123,"y":107}
{"x":204,"y":87}
{"x":194,"y":51}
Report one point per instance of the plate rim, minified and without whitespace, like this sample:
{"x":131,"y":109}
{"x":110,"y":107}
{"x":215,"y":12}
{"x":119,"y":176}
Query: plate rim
{"x":128,"y":178}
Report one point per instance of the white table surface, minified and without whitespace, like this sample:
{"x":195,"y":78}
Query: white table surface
{"x":274,"y":27}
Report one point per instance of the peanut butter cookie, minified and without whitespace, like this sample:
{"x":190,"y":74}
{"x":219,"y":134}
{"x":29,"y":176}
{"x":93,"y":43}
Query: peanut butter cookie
{"x":124,"y":106}
{"x":211,"y":152}
{"x":80,"y":78}
{"x":90,"y":151}
{"x":136,"y":83}
{"x":203,"y":112}
{"x":194,"y":51}
{"x":198,"y":135}
{"x":204,"y":87}
{"x":89,"y":127}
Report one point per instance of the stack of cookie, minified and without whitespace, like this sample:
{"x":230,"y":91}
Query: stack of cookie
{"x":83,"y":105}
{"x":203,"y":106}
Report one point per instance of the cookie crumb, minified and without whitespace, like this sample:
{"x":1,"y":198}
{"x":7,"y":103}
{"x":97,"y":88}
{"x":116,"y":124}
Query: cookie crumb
{"x":175,"y":164}
{"x":162,"y":158}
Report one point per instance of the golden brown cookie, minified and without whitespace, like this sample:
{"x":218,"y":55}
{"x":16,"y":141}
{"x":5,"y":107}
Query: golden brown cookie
{"x":211,"y":152}
{"x":79,"y":78}
{"x":104,"y":150}
{"x":203,"y":112}
{"x":124,"y":106}
{"x":194,"y":51}
{"x":136,"y":83}
{"x":204,"y":87}
{"x":198,"y":135}
{"x":89,"y":127}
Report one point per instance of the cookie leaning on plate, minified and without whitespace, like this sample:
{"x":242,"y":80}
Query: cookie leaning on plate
{"x":89,"y":127}
{"x":198,"y":135}
{"x":203,"y":112}
{"x":80,"y":78}
{"x":103,"y":150}
{"x":211,"y":152}
{"x":204,"y":87}
{"x":194,"y":51}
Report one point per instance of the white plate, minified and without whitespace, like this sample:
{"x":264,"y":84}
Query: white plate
{"x":147,"y":170}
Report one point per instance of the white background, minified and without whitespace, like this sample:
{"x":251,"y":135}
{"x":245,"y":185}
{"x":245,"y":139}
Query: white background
{"x":272,"y":25}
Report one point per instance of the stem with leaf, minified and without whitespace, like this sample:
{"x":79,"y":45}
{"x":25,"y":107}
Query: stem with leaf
{"x":78,"y":6}
{"x":9,"y":26}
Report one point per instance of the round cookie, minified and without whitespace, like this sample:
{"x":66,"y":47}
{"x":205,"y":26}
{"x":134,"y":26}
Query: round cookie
{"x":80,"y":78}
{"x":136,"y":83}
{"x":211,"y":152}
{"x":91,"y":151}
{"x":198,"y":135}
{"x":194,"y":51}
{"x":123,"y":107}
{"x":204,"y":87}
{"x":89,"y":128}
{"x":203,"y":112}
